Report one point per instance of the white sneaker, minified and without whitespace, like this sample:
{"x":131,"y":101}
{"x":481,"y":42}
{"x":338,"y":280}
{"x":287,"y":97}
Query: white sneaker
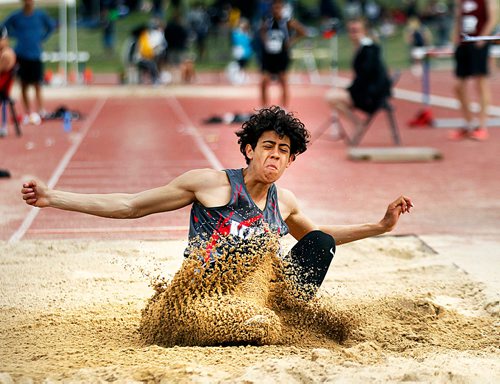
{"x":35,"y":118}
{"x":3,"y":131}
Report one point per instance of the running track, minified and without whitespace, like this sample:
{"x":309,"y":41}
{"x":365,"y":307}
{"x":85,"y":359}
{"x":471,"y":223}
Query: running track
{"x":133,"y":139}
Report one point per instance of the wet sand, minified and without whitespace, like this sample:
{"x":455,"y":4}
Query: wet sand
{"x":70,"y":311}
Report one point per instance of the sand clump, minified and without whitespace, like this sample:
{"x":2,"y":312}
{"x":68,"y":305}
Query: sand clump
{"x":241,"y":297}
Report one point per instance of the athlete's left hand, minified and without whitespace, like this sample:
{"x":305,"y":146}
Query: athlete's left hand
{"x":399,"y":206}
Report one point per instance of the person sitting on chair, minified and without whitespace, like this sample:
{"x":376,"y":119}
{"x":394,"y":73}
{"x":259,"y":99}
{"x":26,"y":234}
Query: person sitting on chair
{"x":7,"y":64}
{"x":371,"y":84}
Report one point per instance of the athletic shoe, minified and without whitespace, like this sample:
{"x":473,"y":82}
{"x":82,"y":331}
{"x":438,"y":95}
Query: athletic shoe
{"x":479,"y":134}
{"x":35,"y":118}
{"x":3,"y":131}
{"x":459,"y":134}
{"x":423,"y":119}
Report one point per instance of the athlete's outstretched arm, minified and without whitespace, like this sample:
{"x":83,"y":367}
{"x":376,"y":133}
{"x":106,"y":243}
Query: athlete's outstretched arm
{"x":178,"y":193}
{"x":299,"y":224}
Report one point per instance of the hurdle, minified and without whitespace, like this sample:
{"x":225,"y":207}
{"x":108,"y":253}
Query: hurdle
{"x":425,"y":54}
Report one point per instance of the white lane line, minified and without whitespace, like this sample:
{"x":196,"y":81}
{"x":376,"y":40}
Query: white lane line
{"x":195,"y":134}
{"x":109,"y":229}
{"x":28,"y":220}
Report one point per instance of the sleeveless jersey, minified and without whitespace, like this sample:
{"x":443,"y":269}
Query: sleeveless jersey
{"x":473,"y":16}
{"x":277,"y":36}
{"x":240,"y":217}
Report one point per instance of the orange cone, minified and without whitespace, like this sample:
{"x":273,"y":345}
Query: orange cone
{"x":47,"y":78}
{"x":88,"y":76}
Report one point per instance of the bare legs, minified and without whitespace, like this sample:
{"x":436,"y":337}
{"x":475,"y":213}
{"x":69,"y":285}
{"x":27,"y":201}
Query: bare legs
{"x":339,"y":100}
{"x":29,"y":110}
{"x":264,"y":85}
{"x":483,"y":91}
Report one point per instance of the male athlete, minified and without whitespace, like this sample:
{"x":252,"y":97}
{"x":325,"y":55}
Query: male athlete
{"x":236,"y":202}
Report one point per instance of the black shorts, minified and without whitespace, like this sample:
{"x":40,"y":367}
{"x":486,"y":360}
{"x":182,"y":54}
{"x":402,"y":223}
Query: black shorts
{"x":308,"y":261}
{"x":30,"y":71}
{"x":275,"y":63}
{"x":471,"y":60}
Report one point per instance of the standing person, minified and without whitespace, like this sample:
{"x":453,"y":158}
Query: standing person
{"x":7,"y":64}
{"x":371,"y":83}
{"x":278,"y":33}
{"x":241,"y":39}
{"x":109,"y":16}
{"x":231,"y":205}
{"x":474,"y":18}
{"x":176,"y":36}
{"x":30,"y":27}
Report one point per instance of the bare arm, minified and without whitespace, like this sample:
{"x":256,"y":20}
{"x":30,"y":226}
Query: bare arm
{"x":299,"y":29}
{"x":299,"y":224}
{"x":180,"y":192}
{"x":492,"y":18}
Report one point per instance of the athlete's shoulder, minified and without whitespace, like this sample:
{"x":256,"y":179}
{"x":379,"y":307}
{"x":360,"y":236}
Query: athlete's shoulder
{"x":285,"y":196}
{"x":207,"y":176}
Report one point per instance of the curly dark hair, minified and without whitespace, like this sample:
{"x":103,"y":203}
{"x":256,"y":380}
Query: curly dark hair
{"x":277,"y":120}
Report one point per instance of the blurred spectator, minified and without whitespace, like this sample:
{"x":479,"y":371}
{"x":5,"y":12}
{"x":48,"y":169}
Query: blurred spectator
{"x":178,"y":60}
{"x":242,"y":51}
{"x":30,"y":27}
{"x":372,"y":13}
{"x":416,"y":35}
{"x":278,"y":34}
{"x":474,"y":18}
{"x":157,"y":8}
{"x":371,"y":83}
{"x":147,"y":50}
{"x":328,"y":9}
{"x":353,"y":9}
{"x":437,"y":15}
{"x":7,"y":64}
{"x":410,"y":8}
{"x":109,"y":15}
{"x":199,"y":23}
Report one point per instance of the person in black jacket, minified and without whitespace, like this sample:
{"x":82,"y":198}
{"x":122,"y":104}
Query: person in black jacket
{"x":371,"y":83}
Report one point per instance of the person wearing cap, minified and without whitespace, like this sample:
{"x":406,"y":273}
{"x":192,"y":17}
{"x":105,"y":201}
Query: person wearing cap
{"x":30,"y":27}
{"x":7,"y":64}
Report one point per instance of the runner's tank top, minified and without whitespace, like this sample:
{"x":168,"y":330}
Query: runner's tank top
{"x":277,"y":36}
{"x":473,"y":15}
{"x":240,"y":217}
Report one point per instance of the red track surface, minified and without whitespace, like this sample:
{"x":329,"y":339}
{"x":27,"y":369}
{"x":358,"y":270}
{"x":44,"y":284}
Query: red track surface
{"x":132,"y":143}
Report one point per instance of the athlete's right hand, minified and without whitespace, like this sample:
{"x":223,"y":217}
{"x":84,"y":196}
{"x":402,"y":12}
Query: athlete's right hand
{"x":35,"y":193}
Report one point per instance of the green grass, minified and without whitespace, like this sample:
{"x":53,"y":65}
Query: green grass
{"x":218,"y":48}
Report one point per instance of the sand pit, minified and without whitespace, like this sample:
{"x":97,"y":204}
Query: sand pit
{"x":71,"y":311}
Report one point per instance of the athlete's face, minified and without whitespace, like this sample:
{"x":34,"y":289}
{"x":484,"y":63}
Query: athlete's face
{"x":271,"y":156}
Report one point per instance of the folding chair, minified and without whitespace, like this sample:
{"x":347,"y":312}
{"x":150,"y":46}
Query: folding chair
{"x":6,"y":101}
{"x":385,"y":106}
